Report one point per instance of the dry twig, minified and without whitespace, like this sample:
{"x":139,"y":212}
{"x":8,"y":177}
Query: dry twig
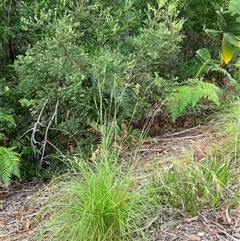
{"x":46,"y":133}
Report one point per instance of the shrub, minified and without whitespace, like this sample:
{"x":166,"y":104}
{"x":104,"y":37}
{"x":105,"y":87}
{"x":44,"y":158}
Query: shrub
{"x":81,"y":74}
{"x":197,"y":20}
{"x":7,"y":123}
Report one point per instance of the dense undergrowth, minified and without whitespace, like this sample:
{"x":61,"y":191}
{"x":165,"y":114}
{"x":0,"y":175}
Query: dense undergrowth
{"x":85,"y":87}
{"x":65,"y":64}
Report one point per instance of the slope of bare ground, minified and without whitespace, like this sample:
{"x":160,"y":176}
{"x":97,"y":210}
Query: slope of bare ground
{"x":21,"y":203}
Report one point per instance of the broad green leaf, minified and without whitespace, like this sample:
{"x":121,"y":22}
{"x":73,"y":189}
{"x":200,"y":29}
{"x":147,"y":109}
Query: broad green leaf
{"x":228,"y":22}
{"x":200,"y":69}
{"x":205,"y":63}
{"x":234,"y":28}
{"x":232,"y":40}
{"x":229,"y":16}
{"x":204,"y":54}
{"x":221,"y":21}
{"x":234,"y":6}
{"x":228,"y":51}
{"x":212,"y":31}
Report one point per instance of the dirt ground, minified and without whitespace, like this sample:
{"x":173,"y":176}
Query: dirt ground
{"x":21,"y":203}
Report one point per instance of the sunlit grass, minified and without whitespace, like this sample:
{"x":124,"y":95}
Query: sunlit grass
{"x":100,"y":200}
{"x":190,"y":186}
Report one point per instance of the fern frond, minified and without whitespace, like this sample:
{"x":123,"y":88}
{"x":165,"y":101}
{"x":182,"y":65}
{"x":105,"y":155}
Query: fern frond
{"x":125,"y":102}
{"x":187,"y":96}
{"x":208,"y":91}
{"x":9,"y":164}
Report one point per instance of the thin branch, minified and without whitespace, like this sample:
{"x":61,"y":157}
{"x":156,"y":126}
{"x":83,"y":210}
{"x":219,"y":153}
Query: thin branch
{"x":146,"y":227}
{"x":25,"y":133}
{"x":51,"y":144}
{"x":222,"y":229}
{"x":184,"y":131}
{"x":46,"y":133}
{"x":66,"y":51}
{"x":9,"y":11}
{"x":34,"y":129}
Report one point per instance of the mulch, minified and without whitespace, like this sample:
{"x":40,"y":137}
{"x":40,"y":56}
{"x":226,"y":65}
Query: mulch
{"x":22,"y":202}
{"x":208,"y":225}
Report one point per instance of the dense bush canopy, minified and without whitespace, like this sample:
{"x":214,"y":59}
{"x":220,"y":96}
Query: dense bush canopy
{"x":72,"y":65}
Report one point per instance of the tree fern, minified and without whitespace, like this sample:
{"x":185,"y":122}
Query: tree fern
{"x":187,"y":96}
{"x":9,"y":164}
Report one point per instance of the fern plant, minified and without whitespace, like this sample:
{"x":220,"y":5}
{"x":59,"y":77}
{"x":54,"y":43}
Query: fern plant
{"x":9,"y":164}
{"x":187,"y":96}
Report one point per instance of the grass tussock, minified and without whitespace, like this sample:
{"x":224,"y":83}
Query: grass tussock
{"x":98,"y":204}
{"x":227,"y":125}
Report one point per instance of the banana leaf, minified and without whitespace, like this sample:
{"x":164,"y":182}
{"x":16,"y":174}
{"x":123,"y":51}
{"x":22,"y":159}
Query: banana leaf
{"x":205,"y":63}
{"x":228,"y":49}
{"x":234,"y":6}
{"x":228,"y":22}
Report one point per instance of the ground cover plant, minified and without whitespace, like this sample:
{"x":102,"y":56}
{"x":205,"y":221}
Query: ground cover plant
{"x":103,"y":200}
{"x":97,"y":200}
{"x":192,"y":186}
{"x":96,"y":205}
{"x":9,"y":164}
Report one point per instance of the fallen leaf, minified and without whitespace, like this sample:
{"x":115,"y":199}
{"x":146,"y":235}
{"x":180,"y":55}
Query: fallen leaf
{"x":28,"y":223}
{"x":193,"y":237}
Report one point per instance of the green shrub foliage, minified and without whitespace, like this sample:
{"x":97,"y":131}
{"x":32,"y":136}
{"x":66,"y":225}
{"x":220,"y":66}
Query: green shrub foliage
{"x":197,"y":20}
{"x":101,"y":60}
{"x":7,"y":122}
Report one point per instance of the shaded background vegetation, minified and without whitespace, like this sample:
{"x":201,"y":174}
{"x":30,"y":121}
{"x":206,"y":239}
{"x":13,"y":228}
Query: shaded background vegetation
{"x":67,"y":66}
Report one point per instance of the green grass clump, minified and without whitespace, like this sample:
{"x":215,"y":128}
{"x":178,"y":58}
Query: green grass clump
{"x":191,"y":186}
{"x":97,"y":204}
{"x":227,"y":125}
